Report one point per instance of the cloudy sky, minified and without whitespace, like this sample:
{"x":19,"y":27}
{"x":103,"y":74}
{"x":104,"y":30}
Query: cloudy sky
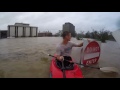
{"x":53,"y":21}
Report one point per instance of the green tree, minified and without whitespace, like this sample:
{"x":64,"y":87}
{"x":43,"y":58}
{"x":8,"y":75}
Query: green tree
{"x":59,"y":33}
{"x":80,"y":35}
{"x":101,"y":35}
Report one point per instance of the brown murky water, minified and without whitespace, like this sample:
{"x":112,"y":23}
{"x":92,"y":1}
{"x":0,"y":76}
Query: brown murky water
{"x":22,"y":58}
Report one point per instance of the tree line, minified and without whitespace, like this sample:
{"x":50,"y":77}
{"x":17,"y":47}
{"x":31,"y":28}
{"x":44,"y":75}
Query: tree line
{"x":100,"y":35}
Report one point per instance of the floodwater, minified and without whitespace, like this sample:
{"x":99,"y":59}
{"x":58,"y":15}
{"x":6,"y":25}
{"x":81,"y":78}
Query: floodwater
{"x":22,"y":58}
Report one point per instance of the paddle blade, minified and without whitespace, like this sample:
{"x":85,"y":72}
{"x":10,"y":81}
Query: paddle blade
{"x":109,"y":69}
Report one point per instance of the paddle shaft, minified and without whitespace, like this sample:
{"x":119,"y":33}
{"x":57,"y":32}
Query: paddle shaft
{"x":88,"y":66}
{"x":102,"y":69}
{"x":78,"y":63}
{"x":63,"y":68}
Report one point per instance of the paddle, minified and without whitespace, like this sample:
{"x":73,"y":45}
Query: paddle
{"x":63,"y":68}
{"x":103,"y":69}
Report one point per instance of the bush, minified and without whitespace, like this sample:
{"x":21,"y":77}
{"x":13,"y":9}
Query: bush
{"x":101,"y":35}
{"x":79,"y":36}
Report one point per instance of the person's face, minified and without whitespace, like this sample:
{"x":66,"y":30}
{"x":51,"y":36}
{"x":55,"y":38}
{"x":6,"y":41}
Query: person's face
{"x":68,"y":37}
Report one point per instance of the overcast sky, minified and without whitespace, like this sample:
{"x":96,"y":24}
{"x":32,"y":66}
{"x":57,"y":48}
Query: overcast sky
{"x":53,"y":21}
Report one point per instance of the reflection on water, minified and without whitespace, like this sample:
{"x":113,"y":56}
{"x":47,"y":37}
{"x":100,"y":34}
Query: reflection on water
{"x":21,"y":57}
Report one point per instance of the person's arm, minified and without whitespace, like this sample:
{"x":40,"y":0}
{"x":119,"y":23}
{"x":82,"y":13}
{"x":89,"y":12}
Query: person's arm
{"x":59,"y":57}
{"x":58,"y":54}
{"x":79,"y":45}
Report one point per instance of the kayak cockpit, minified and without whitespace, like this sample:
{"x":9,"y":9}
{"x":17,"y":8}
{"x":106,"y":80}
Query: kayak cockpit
{"x":67,"y":65}
{"x":71,"y":70}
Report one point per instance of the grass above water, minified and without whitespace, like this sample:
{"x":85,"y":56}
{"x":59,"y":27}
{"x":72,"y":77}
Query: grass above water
{"x":44,"y":60}
{"x":2,"y":74}
{"x":25,"y":69}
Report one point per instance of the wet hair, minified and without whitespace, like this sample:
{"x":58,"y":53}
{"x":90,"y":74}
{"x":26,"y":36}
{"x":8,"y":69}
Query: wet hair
{"x":65,"y":33}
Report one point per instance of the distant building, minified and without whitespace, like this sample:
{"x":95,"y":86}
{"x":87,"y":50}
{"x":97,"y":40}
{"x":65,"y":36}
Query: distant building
{"x":69,"y":27}
{"x":44,"y":34}
{"x":3,"y":34}
{"x":22,"y":30}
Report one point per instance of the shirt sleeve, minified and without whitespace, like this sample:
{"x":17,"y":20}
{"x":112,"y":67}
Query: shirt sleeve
{"x":74,"y":44}
{"x":58,"y":51}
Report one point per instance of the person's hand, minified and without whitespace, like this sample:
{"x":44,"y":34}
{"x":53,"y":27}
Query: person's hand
{"x":60,"y":58}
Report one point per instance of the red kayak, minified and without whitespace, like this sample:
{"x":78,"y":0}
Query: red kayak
{"x":71,"y":70}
